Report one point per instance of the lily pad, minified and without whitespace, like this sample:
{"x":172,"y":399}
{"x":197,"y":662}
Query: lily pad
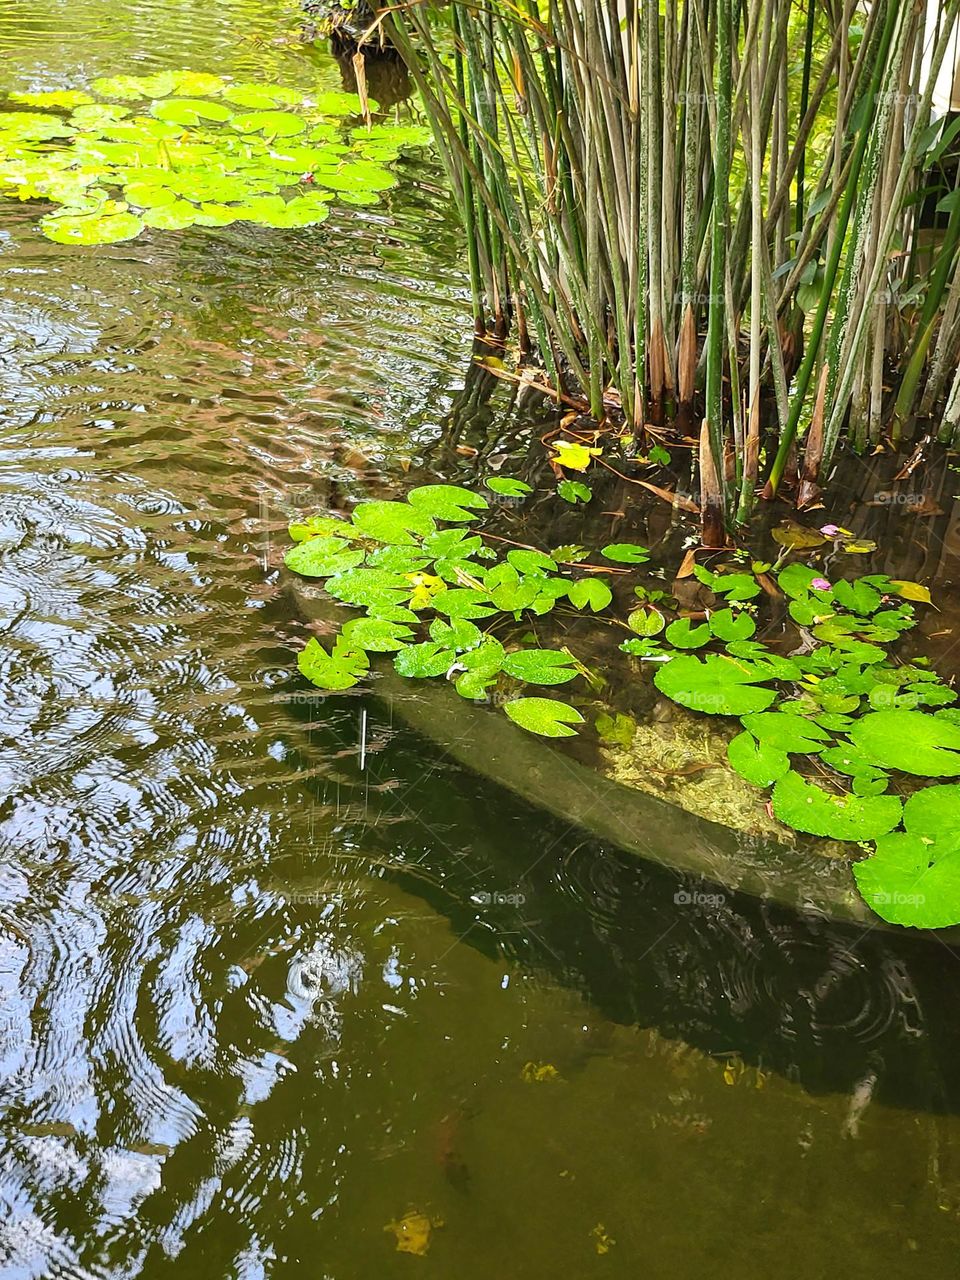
{"x":716,"y":684}
{"x":544,"y":716}
{"x":911,"y":741}
{"x":807,"y":807}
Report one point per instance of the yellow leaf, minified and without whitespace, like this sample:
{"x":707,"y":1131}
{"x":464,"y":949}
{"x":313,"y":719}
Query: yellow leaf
{"x":858,"y":548}
{"x":538,"y":1072}
{"x":602,"y":1241}
{"x":412,"y":1232}
{"x":912,"y":591}
{"x":576,"y":457}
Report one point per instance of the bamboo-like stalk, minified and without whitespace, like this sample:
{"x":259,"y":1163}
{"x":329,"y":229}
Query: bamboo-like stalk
{"x":646,"y":202}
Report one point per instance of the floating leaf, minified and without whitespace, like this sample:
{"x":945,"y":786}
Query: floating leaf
{"x":317,"y":526}
{"x":447,"y":501}
{"x":321,"y":557}
{"x":459,"y":634}
{"x":260,"y":97}
{"x":508,"y":487}
{"x":910,"y":741}
{"x":464,"y":602}
{"x":589,"y":592}
{"x":716,"y":685}
{"x":87,"y":229}
{"x":682,"y":635}
{"x":858,"y":596}
{"x":429,"y":658}
{"x":786,"y":732}
{"x":626,"y":553}
{"x":392,"y":521}
{"x":540,"y":666}
{"x":645,"y":622}
{"x":575,"y":457}
{"x":911,"y":591}
{"x":535,"y":562}
{"x":273,"y":124}
{"x":807,"y":807}
{"x":797,"y":536}
{"x":727,"y":625}
{"x":913,"y":878}
{"x":574,"y":491}
{"x":544,"y":716}
{"x":736,"y":586}
{"x":339,"y":670}
{"x":375,"y":635}
{"x":187,"y":111}
{"x":758,"y":762}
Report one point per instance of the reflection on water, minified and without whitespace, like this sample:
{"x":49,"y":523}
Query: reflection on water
{"x":256,"y":1002}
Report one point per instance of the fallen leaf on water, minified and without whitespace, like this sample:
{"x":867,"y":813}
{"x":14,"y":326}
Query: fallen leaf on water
{"x":857,"y":547}
{"x":687,"y":565}
{"x":911,"y":591}
{"x":413,"y":1232}
{"x":575,"y":457}
{"x":601,"y":1240}
{"x":538,"y":1072}
{"x":797,"y":536}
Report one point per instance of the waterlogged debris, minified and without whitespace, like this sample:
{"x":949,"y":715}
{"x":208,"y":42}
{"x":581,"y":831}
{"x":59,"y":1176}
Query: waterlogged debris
{"x":187,"y":148}
{"x":538,"y":1073}
{"x":413,"y":1231}
{"x":602,"y":1240}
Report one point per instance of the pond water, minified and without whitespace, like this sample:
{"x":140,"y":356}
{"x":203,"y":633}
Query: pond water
{"x":263,"y":994}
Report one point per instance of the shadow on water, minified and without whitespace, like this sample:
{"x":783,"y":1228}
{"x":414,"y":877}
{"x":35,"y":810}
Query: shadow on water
{"x":827,"y":1005}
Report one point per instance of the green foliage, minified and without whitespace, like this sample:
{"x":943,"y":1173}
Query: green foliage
{"x":508,"y":487}
{"x":626,"y":553}
{"x":808,"y":807}
{"x":544,"y":716}
{"x":574,"y":491}
{"x":590,"y":593}
{"x":842,"y":701}
{"x":172,"y":151}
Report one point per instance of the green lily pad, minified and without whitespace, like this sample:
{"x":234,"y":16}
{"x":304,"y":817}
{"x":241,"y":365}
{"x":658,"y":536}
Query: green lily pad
{"x":911,"y":741}
{"x":589,"y":593}
{"x":540,"y":666}
{"x":716,"y":684}
{"x":430,"y":658}
{"x":338,"y":670}
{"x":913,"y":878}
{"x":87,"y":229}
{"x":447,"y":502}
{"x":786,"y":732}
{"x":758,"y":762}
{"x":807,"y":807}
{"x":544,"y":716}
{"x":322,"y":557}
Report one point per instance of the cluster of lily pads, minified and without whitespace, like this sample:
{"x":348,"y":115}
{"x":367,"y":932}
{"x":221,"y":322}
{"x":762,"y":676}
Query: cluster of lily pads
{"x":393,"y":560}
{"x":182,"y":148}
{"x":825,"y":726}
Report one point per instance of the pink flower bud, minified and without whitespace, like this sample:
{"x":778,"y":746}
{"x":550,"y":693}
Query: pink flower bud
{"x":820,"y":584}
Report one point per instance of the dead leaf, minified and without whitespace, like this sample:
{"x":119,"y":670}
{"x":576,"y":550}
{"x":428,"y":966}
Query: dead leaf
{"x":413,"y":1232}
{"x":797,"y":536}
{"x":687,"y":565}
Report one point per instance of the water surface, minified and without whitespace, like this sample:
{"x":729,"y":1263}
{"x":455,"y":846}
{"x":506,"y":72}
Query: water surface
{"x":258,"y":1002}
